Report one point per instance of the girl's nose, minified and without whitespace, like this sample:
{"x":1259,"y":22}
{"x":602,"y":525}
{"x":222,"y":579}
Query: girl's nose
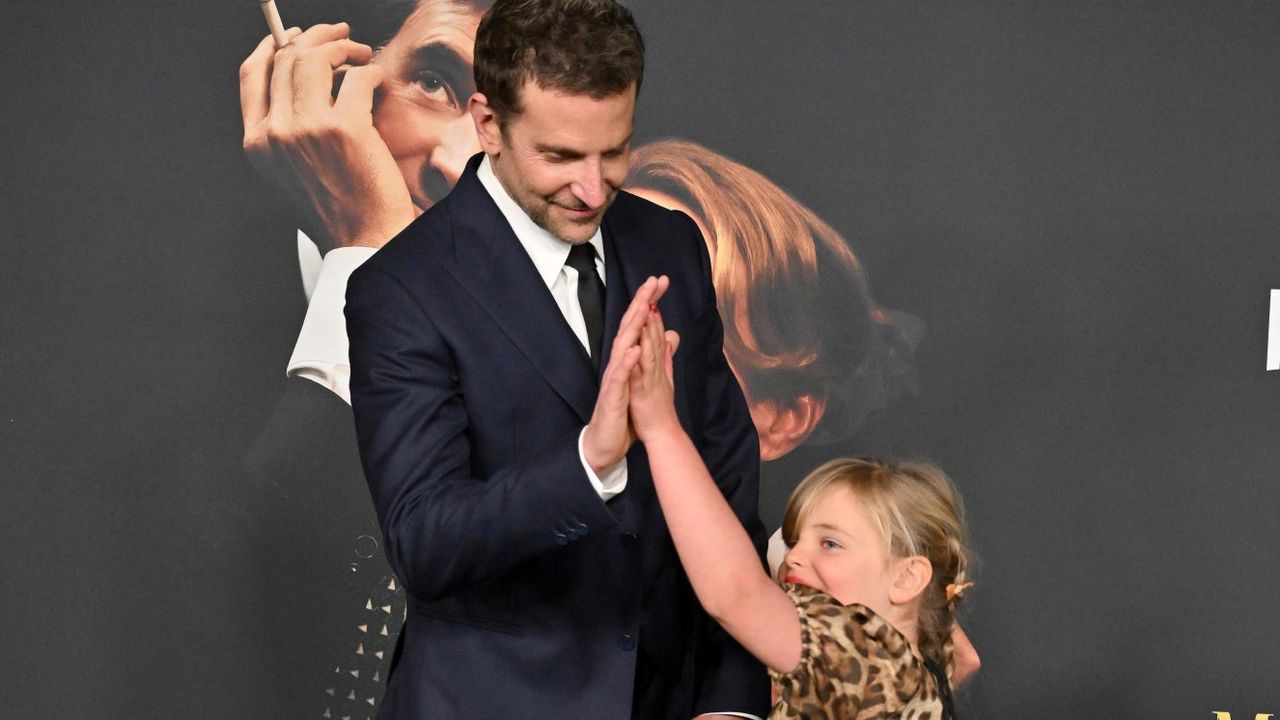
{"x":792,"y":558}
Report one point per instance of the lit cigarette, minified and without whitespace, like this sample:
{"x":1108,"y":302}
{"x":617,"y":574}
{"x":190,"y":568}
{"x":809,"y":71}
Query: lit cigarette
{"x":273,"y":22}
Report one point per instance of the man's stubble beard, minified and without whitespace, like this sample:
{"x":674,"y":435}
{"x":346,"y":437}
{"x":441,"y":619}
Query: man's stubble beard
{"x":541,"y":216}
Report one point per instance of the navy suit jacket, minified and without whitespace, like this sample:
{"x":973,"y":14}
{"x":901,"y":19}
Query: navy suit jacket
{"x":528,"y":595}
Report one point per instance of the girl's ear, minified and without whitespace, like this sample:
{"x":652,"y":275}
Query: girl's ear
{"x":911,"y":577}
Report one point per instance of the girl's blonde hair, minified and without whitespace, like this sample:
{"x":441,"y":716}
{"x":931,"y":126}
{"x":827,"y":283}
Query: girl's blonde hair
{"x":917,"y":510}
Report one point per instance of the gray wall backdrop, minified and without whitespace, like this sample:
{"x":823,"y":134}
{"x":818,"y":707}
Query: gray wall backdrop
{"x":1080,"y":200}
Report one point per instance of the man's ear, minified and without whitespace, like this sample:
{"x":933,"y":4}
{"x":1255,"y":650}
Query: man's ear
{"x":488,"y":129}
{"x":912,"y":577}
{"x":783,"y":427}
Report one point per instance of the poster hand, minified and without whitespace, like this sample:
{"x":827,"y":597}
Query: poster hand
{"x":322,"y":150}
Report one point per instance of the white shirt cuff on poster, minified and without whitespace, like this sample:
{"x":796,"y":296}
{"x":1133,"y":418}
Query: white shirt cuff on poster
{"x":321,"y":351}
{"x":320,"y":355}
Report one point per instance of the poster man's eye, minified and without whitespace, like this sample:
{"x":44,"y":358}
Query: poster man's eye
{"x":437,"y":88}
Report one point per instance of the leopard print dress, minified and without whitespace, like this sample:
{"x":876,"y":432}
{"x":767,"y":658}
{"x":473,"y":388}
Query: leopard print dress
{"x":854,"y":665}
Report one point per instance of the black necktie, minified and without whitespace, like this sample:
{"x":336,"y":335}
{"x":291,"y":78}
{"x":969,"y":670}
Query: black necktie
{"x":590,"y":296}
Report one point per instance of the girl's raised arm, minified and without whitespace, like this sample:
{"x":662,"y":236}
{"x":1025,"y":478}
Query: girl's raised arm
{"x":718,"y":556}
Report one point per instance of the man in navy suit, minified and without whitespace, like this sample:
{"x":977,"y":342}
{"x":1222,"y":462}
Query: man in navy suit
{"x":541,"y":578}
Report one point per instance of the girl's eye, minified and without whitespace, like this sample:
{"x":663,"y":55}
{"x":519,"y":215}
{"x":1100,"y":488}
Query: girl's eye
{"x":830,"y":544}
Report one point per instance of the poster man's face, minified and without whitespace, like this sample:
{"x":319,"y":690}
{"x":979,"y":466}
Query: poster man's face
{"x":422,"y":112}
{"x":759,"y":412}
{"x":781,"y":425}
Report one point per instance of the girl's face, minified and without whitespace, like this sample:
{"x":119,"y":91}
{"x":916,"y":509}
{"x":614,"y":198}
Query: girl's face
{"x":840,"y":552}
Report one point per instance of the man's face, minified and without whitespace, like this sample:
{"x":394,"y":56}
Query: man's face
{"x":563,"y":158}
{"x":422,"y":113}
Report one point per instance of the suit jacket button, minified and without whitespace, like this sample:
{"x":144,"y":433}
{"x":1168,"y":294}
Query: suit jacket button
{"x":582,"y":529}
{"x":366,"y":546}
{"x":629,"y":540}
{"x":562,"y":539}
{"x":627,"y":643}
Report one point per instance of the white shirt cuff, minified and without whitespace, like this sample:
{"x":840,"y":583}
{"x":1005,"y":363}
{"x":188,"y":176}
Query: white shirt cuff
{"x":309,"y":262}
{"x":321,"y":351}
{"x":733,"y":714}
{"x":614,"y":478}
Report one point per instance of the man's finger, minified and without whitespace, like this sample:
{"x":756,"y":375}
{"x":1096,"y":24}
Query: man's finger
{"x":355,"y":97}
{"x":319,"y":35}
{"x":313,"y":72}
{"x":616,"y":372}
{"x":659,"y":289}
{"x":647,"y":296}
{"x":281,"y":108}
{"x":655,"y":337}
{"x":254,"y":72}
{"x":255,"y":80}
{"x":634,"y":317}
{"x":280,"y":102}
{"x":630,"y":358}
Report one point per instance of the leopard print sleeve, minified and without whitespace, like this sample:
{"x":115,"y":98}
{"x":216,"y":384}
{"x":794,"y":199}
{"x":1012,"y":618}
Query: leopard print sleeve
{"x":854,"y":665}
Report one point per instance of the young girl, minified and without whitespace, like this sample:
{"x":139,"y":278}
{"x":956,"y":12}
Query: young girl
{"x":861,"y":627}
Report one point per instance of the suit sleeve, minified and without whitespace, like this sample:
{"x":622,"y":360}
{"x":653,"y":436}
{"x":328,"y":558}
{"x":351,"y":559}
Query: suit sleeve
{"x":731,"y":679}
{"x":446,"y":529}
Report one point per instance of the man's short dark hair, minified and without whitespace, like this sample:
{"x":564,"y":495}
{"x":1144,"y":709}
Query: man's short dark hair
{"x":579,"y":47}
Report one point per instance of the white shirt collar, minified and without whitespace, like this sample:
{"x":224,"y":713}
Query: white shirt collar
{"x":547,"y":251}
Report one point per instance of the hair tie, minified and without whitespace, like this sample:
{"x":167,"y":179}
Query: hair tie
{"x":956,"y":590}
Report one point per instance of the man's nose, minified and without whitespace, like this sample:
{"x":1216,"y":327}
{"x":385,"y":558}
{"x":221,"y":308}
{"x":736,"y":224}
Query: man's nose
{"x":457,"y":144}
{"x":590,"y":185}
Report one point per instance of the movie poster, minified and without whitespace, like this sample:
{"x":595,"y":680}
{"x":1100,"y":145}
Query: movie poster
{"x":1033,"y":242}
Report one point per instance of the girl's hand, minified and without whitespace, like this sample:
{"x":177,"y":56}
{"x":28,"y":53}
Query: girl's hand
{"x":966,"y":657}
{"x":652,"y":385}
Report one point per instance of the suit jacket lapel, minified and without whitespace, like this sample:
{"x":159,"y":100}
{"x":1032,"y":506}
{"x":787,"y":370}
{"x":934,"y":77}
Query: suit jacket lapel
{"x":494,"y":267}
{"x":626,"y":266}
{"x":616,"y":294}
